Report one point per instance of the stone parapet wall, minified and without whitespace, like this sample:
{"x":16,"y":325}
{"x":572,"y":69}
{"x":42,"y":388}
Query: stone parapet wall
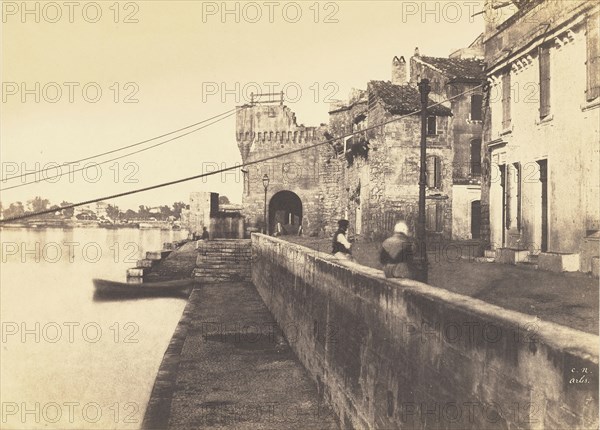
{"x":401,"y":354}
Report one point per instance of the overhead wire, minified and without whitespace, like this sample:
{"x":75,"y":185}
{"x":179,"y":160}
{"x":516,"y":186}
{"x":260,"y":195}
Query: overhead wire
{"x":116,"y":158}
{"x":121,"y":148}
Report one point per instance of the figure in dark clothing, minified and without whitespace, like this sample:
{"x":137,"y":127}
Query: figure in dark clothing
{"x":341,"y":246}
{"x":396,"y":254}
{"x":204,"y":234}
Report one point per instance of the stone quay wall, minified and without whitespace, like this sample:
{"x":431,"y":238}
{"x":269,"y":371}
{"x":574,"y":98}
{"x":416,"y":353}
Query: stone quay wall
{"x":402,"y":354}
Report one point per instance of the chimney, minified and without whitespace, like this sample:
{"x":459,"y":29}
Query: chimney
{"x":417,"y":54}
{"x":398,"y":71}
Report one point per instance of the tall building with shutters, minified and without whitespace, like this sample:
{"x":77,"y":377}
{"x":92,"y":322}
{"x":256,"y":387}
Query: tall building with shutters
{"x":541,"y":159}
{"x":457,"y":81}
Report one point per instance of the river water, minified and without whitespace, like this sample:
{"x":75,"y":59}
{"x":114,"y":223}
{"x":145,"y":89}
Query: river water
{"x":67,"y":361}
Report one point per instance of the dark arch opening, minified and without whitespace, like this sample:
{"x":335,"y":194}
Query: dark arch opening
{"x":285,"y":213}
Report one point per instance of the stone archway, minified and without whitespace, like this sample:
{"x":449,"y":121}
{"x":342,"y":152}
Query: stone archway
{"x":285,"y":213}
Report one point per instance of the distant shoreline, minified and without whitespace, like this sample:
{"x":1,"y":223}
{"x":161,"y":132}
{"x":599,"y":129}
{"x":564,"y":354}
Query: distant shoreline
{"x":144,"y":225}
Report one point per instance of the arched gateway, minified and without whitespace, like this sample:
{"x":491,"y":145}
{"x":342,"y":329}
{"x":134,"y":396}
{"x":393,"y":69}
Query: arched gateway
{"x":285,"y":210}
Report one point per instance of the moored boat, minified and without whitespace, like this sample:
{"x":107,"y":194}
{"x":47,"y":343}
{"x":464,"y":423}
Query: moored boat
{"x":104,"y":286}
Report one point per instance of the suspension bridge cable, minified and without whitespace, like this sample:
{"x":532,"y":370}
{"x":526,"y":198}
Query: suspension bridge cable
{"x":119,"y":157}
{"x":121,"y":148}
{"x":226,"y":169}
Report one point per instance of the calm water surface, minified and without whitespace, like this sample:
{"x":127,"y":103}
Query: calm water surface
{"x":67,"y":361}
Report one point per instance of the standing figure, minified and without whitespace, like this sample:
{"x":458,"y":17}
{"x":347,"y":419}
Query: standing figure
{"x":396,"y":254}
{"x":205,"y":235}
{"x":341,"y":246}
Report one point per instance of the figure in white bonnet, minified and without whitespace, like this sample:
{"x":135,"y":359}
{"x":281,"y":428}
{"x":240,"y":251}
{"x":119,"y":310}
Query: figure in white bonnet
{"x":396,"y":254}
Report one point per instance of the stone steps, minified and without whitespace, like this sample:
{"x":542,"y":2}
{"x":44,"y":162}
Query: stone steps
{"x":223,"y":260}
{"x":146,"y":265}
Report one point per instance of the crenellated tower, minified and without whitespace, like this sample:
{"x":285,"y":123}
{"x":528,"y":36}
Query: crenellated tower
{"x":293,"y":197}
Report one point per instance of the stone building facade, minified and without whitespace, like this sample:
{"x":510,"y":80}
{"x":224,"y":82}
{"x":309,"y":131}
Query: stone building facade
{"x":460,"y":78}
{"x":380,"y":167}
{"x":293,"y":197}
{"x":541,"y":154}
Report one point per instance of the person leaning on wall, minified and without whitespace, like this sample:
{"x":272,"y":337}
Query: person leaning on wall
{"x":396,"y":254}
{"x":342,"y":248}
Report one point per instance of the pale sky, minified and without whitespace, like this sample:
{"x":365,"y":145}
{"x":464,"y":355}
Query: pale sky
{"x":175,"y":57}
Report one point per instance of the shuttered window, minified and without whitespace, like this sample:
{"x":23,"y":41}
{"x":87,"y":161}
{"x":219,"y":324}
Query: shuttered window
{"x":434,"y":172}
{"x":593,"y":57}
{"x":476,"y":100}
{"x":506,"y":100}
{"x":439,"y":216}
{"x":544,"y":61}
{"x":435,"y":217}
{"x":476,"y":157}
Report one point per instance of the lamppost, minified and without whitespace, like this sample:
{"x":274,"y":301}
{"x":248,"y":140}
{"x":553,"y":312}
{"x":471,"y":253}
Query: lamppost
{"x":424,"y":89}
{"x":265,"y":181}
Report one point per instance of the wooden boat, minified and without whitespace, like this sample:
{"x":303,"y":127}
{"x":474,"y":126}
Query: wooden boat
{"x":158,"y":288}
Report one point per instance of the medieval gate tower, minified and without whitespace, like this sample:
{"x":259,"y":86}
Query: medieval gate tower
{"x":295,"y":193}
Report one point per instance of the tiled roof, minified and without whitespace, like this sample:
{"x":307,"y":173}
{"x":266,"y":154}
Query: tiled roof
{"x":469,"y":69}
{"x":402,"y":99}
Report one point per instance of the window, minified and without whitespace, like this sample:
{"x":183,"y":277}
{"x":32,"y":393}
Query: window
{"x":476,"y":157}
{"x":435,"y":217}
{"x":593,"y":58}
{"x":431,"y":126}
{"x":506,"y":100}
{"x":476,"y":102}
{"x":544,"y":81}
{"x":434,"y":172}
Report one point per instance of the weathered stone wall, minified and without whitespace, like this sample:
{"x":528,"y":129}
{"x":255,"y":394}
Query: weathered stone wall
{"x":401,"y":354}
{"x":395,"y":164}
{"x":226,"y":226}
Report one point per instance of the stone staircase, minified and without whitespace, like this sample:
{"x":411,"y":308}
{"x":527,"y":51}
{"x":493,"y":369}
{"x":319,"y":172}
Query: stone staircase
{"x":157,"y":265}
{"x":223,"y":260}
{"x":144,"y":267}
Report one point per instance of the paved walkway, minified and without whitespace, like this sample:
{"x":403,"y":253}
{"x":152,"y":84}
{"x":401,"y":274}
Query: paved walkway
{"x":228,"y":366}
{"x":569,"y":299}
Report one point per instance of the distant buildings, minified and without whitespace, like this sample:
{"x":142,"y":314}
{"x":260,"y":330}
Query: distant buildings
{"x":92,"y":211}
